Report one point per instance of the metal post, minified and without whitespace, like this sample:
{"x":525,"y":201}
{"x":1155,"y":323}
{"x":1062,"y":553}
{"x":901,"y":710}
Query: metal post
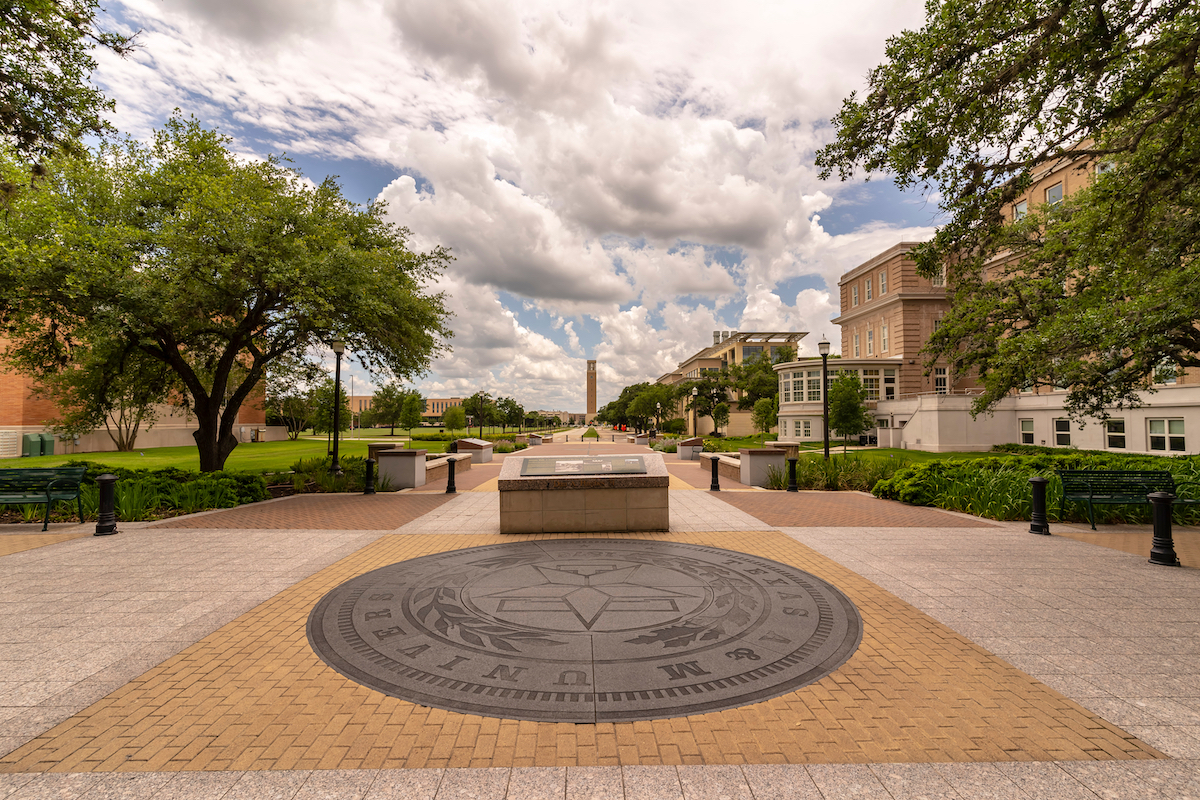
{"x":335,"y":468}
{"x":450,"y":488}
{"x":792,"y":486}
{"x":1162,"y":549}
{"x":716,"y":483}
{"x":106,"y":520}
{"x":369,"y":480}
{"x":825,"y":400}
{"x":1037,"y":517}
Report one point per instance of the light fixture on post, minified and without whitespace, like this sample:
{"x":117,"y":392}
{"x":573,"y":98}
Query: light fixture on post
{"x":823,"y":349}
{"x":657,"y":417}
{"x":695,"y":419}
{"x":339,"y":347}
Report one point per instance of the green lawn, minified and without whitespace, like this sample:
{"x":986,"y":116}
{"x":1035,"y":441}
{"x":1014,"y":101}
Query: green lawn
{"x":250,"y":457}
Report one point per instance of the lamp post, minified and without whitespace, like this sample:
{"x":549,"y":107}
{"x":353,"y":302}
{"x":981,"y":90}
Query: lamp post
{"x":339,"y":347}
{"x":823,"y":349}
{"x":695,"y":419}
{"x":657,"y":416}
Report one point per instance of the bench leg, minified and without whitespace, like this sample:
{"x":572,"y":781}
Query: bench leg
{"x":46,"y":520}
{"x":79,"y":500}
{"x":1091,"y":515}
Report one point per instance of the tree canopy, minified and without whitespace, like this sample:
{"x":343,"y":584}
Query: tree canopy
{"x":848,"y":414}
{"x":1103,"y":288}
{"x":213,"y":265}
{"x":46,"y":47}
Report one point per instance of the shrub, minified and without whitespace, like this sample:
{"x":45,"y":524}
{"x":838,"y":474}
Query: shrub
{"x":504,"y":447}
{"x":676,"y":426}
{"x":998,"y":487}
{"x":776,"y":477}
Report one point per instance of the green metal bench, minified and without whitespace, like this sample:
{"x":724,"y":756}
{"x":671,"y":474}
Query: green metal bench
{"x":41,"y":485}
{"x":1117,"y":487}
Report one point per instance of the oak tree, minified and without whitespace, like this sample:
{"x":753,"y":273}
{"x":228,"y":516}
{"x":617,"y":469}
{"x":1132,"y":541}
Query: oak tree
{"x":213,"y":265}
{"x":1100,"y":290}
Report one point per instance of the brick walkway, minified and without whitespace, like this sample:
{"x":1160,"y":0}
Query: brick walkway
{"x":844,"y":510}
{"x":254,"y":696}
{"x":171,"y":663}
{"x":323,"y":512}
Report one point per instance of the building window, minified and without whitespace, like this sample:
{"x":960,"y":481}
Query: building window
{"x":870,"y":342}
{"x":854,"y":294}
{"x":783,"y":428}
{"x":856,"y":353}
{"x":1165,"y":373}
{"x":940,"y":278}
{"x":814,"y":386}
{"x":1054,"y":194}
{"x":883,"y":282}
{"x":1062,"y":432}
{"x":883,"y":338}
{"x":785,"y":386}
{"x":1026,"y":431}
{"x":937,"y":323}
{"x":797,"y":386}
{"x":889,"y":384}
{"x":868,"y":288}
{"x":1114,"y":430}
{"x":1166,"y":434}
{"x":870,"y":381}
{"x":939,"y":380}
{"x":1020,"y":210}
{"x":807,"y":429}
{"x":883,"y":422}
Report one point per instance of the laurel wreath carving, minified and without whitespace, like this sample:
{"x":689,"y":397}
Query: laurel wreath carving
{"x":447,"y":616}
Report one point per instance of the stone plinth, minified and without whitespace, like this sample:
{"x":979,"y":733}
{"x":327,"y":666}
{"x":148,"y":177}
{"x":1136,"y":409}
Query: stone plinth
{"x":576,"y":502}
{"x":755,"y":462}
{"x":373,"y":449}
{"x":790,"y":449}
{"x":689,"y":449}
{"x":404,"y":469}
{"x":480,"y":449}
{"x":535,"y":439}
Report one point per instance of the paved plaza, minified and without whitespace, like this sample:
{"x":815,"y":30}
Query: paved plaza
{"x":175,"y":660}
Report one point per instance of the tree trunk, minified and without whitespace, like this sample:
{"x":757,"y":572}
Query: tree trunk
{"x":214,"y":446}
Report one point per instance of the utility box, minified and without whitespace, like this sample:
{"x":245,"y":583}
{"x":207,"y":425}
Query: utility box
{"x":47,"y":444}
{"x":31,"y":444}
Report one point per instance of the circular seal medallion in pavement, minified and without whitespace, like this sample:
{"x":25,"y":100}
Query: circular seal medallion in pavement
{"x":585,"y":630}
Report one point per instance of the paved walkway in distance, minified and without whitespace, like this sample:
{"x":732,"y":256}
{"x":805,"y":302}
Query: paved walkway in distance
{"x":87,"y":624}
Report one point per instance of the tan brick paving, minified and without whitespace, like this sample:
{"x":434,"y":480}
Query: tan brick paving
{"x":254,"y":696}
{"x":843,"y":510}
{"x":19,"y":542}
{"x":319,"y":512}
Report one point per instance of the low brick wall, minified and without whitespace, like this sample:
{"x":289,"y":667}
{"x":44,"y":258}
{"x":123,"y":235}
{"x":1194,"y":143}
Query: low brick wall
{"x":728,"y":467}
{"x":435,"y":468}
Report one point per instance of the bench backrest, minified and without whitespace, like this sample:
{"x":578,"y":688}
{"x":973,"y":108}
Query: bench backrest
{"x":1116,"y":481}
{"x":24,"y":478}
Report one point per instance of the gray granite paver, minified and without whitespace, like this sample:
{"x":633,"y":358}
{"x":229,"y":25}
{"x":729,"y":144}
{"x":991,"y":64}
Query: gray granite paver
{"x":473,"y":784}
{"x":594,"y":783}
{"x":847,"y":782}
{"x":652,"y":783}
{"x":336,"y":784}
{"x":537,"y":783}
{"x":128,"y":786}
{"x":915,"y":780}
{"x":267,"y":785}
{"x":714,"y":783}
{"x":197,"y":786}
{"x":405,"y":784}
{"x":780,"y":782}
{"x":980,"y":782}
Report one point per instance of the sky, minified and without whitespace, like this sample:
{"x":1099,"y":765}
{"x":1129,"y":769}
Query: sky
{"x":615,"y":180}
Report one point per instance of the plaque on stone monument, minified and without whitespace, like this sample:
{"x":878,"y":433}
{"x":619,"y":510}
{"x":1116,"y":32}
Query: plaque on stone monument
{"x":583,"y":465}
{"x":585,"y":630}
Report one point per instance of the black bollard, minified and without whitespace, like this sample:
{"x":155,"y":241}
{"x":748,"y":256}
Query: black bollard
{"x":1162,"y":549}
{"x":1037,"y":517}
{"x":106,"y":520}
{"x":369,"y":479}
{"x":716,"y":484}
{"x":450,"y":478}
{"x":792,"y":486}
